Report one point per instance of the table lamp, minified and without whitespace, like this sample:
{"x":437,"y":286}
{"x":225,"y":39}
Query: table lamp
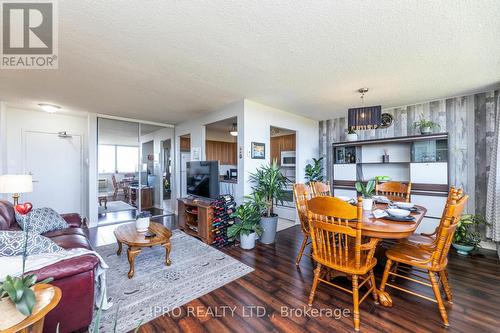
{"x":16,"y":184}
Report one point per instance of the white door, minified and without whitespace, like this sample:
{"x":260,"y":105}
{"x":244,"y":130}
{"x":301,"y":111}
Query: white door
{"x":55,"y":161}
{"x":185,"y":157}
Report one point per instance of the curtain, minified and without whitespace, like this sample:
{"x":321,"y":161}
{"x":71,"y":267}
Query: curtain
{"x":493,"y":192}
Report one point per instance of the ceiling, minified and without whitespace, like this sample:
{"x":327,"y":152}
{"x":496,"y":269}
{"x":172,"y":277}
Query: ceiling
{"x":169,"y":61}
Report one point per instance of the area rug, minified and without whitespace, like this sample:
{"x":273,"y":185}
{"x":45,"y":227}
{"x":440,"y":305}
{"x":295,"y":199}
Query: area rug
{"x":115,"y":206}
{"x":196,"y":270}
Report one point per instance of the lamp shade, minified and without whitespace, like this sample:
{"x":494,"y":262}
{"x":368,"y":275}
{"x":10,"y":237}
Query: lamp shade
{"x":364,"y":118}
{"x":16,"y":184}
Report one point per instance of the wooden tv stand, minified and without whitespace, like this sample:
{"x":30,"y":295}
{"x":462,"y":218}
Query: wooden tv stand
{"x":196,"y":217}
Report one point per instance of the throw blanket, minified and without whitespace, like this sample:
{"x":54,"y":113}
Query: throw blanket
{"x":13,"y":266}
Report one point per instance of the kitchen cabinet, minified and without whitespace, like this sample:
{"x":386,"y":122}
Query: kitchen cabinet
{"x":281,"y":143}
{"x":224,"y":152}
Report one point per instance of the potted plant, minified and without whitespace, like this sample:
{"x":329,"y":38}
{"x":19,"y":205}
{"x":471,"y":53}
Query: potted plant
{"x":17,"y":291}
{"x":425,"y":126}
{"x":351,"y":135}
{"x":269,"y":187}
{"x":367,"y":193}
{"x":247,"y":225}
{"x":467,"y":236}
{"x":142,"y":221}
{"x":314,"y":172}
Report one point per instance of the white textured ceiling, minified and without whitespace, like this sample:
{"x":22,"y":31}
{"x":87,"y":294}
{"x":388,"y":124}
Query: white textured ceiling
{"x":169,"y":61}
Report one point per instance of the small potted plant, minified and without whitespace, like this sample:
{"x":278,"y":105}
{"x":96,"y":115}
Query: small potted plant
{"x":142,"y":221}
{"x":269,"y":187}
{"x":367,"y":193}
{"x":467,"y":236}
{"x":314,"y":172}
{"x":425,"y":125}
{"x":247,"y":225}
{"x":351,"y":135}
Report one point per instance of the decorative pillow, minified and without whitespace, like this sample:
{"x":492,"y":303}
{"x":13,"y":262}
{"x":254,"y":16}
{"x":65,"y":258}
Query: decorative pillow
{"x":41,"y":220}
{"x":12,"y":243}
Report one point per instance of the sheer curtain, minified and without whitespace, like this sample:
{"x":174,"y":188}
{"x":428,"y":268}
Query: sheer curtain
{"x":493,"y":194}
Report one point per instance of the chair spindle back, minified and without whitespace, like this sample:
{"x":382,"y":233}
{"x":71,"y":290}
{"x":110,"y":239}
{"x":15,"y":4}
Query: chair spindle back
{"x":394,"y":190}
{"x":320,"y":189}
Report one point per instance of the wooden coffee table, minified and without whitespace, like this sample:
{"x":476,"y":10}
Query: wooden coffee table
{"x":127,"y":234}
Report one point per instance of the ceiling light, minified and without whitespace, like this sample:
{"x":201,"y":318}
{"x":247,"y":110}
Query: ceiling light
{"x":51,"y":108}
{"x":234,"y":130}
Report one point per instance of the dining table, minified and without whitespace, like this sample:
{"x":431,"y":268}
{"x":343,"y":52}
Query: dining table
{"x":386,"y":229}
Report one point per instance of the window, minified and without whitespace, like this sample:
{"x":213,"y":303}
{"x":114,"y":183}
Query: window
{"x":121,"y":159}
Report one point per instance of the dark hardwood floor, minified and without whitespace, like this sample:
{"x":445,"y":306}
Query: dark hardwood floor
{"x":277,"y":286}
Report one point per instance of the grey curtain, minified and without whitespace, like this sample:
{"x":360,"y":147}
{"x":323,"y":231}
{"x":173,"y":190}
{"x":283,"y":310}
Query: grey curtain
{"x":493,"y":194}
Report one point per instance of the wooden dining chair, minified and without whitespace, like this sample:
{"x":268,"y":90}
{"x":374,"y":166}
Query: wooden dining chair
{"x":394,"y":191}
{"x":301,"y":193}
{"x":430,"y":261}
{"x":335,"y":228}
{"x":117,"y":186}
{"x":426,"y":239}
{"x":320,"y":189}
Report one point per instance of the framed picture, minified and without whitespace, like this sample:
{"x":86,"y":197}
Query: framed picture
{"x":258,"y":150}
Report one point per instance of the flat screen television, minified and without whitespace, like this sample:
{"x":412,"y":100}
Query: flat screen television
{"x":203,"y":179}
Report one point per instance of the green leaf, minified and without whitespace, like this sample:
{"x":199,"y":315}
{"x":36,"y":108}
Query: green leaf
{"x":29,"y":280}
{"x":19,"y":288}
{"x":27,"y":302}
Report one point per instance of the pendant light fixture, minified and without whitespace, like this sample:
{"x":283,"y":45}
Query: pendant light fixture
{"x":234,"y":130}
{"x":364,"y":117}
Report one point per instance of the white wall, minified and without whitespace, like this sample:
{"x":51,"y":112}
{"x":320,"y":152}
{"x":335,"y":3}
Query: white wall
{"x":196,"y":128}
{"x":15,"y":121}
{"x":257,"y":122}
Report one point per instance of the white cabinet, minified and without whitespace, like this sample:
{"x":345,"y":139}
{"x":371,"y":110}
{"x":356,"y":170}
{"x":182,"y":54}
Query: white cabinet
{"x":434,"y":204}
{"x":429,"y":173}
{"x":344,"y":172}
{"x":344,"y":192}
{"x":427,"y":225}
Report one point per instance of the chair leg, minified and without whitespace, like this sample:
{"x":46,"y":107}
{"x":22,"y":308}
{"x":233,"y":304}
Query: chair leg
{"x":317,"y":272}
{"x":446,"y":286}
{"x":115,"y":193}
{"x":394,"y":270}
{"x":355,"y":301}
{"x":374,"y":286}
{"x":302,"y":248}
{"x":437,"y":294}
{"x":383,"y":296}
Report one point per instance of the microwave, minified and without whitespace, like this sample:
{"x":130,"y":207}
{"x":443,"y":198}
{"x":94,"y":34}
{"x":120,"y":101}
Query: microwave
{"x":287,"y":158}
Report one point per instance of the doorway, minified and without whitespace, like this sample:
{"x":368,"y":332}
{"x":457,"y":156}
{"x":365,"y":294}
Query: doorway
{"x":185,"y":156}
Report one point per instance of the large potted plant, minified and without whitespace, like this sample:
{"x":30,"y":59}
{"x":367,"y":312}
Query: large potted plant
{"x":467,"y":236}
{"x":247,"y":225}
{"x":314,"y":172}
{"x":425,"y":125}
{"x":367,"y":193}
{"x":269,"y":187}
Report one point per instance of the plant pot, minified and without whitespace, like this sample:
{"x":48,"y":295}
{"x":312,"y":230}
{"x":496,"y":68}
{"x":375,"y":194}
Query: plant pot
{"x":247,"y":242}
{"x":351,"y":137}
{"x":10,"y":315}
{"x":463,"y":249}
{"x":269,"y":225}
{"x":425,"y":130}
{"x":142,"y":224}
{"x":367,"y":204}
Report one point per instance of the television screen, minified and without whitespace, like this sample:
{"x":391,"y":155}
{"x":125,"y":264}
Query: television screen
{"x":203,"y":179}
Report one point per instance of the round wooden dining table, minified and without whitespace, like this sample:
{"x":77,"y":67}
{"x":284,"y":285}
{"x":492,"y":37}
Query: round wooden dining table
{"x":382,"y":228}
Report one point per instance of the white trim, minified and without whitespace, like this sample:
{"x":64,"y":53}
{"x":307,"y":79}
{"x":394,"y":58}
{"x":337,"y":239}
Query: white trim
{"x":100,"y":115}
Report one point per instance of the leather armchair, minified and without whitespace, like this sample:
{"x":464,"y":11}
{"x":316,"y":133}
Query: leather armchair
{"x":74,"y":276}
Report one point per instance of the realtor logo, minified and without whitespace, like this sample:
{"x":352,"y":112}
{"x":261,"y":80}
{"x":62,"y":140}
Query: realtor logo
{"x":29,"y":35}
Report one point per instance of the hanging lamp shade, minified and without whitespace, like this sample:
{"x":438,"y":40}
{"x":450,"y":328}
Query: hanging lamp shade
{"x":364,"y":118}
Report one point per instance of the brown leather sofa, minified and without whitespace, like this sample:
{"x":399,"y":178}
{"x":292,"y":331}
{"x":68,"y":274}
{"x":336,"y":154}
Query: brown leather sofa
{"x":74,"y":276}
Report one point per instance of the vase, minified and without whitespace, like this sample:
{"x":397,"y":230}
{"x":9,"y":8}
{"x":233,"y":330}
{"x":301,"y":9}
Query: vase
{"x":425,"y":130}
{"x":142,"y":224}
{"x":351,"y":137}
{"x":463,"y":249}
{"x":247,"y":242}
{"x":367,"y":204}
{"x":269,"y":226}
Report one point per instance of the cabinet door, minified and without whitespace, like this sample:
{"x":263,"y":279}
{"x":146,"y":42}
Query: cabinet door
{"x":433,"y":204}
{"x":344,"y":171}
{"x":429,"y":173}
{"x":275,"y":149}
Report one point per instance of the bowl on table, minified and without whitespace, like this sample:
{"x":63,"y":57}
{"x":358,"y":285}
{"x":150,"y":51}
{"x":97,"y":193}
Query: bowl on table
{"x":343,"y":198}
{"x":404,"y":205}
{"x":396,"y":212}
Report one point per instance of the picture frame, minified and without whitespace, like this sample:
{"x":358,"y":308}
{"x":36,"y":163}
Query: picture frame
{"x":258,"y":150}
